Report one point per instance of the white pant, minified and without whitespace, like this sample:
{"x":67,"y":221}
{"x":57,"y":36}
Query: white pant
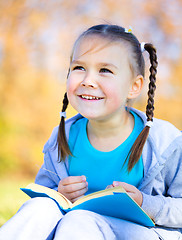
{"x":38,"y":217}
{"x":34,"y":221}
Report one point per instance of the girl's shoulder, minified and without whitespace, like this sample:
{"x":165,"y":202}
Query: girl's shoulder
{"x":166,"y":136}
{"x":159,"y":125}
{"x":162,"y":133}
{"x":52,"y":141}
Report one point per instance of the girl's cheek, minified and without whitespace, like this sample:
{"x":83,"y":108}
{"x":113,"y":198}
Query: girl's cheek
{"x":71,"y":88}
{"x":115,"y":95}
{"x":70,"y":92}
{"x":70,"y":85}
{"x":111,"y":91}
{"x":73,"y":80}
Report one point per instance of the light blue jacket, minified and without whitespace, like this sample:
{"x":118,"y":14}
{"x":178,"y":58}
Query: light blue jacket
{"x":162,"y":183}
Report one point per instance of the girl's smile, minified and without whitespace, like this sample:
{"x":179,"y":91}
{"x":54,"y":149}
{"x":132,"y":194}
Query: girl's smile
{"x":89,"y":97}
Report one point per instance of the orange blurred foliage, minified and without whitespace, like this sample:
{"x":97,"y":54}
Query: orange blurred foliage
{"x":35,"y":44}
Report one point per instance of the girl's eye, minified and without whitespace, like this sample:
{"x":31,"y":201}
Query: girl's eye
{"x":79,"y":68}
{"x":105,"y":70}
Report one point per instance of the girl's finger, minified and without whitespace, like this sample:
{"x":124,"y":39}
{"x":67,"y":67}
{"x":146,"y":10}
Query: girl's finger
{"x":109,"y":186}
{"x":74,"y":200}
{"x":75,"y":195}
{"x":75,"y":187}
{"x":73,"y":179}
{"x":126,"y":186}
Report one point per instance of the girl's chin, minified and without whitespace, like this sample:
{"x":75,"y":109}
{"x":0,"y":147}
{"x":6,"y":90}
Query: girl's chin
{"x":90,"y":116}
{"x":94,"y":117}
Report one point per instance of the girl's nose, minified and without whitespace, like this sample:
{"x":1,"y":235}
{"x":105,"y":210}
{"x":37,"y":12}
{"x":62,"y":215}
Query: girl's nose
{"x":89,"y":82}
{"x":88,"y":85}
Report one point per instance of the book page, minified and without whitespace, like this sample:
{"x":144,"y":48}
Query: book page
{"x":98,"y":194}
{"x":60,"y":198}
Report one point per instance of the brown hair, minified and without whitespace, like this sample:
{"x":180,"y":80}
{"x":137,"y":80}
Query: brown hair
{"x":136,"y":59}
{"x":63,"y":148}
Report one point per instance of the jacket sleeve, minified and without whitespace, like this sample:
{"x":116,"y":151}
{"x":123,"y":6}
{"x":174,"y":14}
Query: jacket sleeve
{"x":52,"y":171}
{"x":166,"y":209}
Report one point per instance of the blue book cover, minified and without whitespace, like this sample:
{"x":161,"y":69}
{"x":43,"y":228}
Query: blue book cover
{"x":114,"y":202}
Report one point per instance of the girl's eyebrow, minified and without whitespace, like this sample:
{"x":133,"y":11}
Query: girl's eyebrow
{"x":107,"y":65}
{"x":99,"y":64}
{"x":77,"y":62}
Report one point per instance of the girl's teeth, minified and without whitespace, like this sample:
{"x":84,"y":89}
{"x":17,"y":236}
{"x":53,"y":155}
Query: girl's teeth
{"x":89,"y":97}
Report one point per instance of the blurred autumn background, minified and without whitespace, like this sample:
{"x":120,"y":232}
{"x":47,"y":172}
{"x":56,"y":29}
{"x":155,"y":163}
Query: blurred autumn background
{"x":36,"y":38}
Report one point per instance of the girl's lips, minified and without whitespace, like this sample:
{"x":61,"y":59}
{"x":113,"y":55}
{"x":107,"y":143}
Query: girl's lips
{"x":90,"y":97}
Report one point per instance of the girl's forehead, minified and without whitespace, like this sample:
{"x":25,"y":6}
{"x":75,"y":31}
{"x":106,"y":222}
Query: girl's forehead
{"x":96,"y":44}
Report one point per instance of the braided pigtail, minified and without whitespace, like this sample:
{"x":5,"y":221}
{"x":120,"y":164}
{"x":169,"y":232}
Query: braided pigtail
{"x":153,"y":71}
{"x":136,"y":150}
{"x":63,"y":148}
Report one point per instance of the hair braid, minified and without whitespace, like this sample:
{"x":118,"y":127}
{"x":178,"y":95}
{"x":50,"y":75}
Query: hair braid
{"x":63,"y":148}
{"x":137,"y":148}
{"x":153,"y":70}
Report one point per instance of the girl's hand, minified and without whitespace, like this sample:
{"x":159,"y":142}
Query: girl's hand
{"x":131,"y":190}
{"x":73,"y":187}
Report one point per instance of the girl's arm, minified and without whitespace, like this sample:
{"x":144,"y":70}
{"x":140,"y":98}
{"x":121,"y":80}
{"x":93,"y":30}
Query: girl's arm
{"x":52,"y":171}
{"x":162,"y":197}
{"x":50,"y":174}
{"x":166,"y":211}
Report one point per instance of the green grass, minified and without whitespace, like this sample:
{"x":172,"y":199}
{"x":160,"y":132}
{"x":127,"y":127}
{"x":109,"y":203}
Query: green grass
{"x":11,"y":197}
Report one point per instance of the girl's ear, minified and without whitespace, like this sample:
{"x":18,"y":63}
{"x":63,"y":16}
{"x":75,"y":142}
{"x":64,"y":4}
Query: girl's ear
{"x":136,"y":87}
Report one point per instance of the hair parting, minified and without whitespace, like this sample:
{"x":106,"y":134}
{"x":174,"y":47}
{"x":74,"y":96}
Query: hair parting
{"x":63,"y":147}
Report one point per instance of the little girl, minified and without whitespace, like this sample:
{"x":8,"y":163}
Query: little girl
{"x":107,"y":144}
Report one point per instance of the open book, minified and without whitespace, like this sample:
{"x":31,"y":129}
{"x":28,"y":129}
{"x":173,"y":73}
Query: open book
{"x":114,"y":202}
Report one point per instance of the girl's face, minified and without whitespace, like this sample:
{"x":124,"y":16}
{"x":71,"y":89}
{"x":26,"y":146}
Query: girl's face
{"x":100,"y":78}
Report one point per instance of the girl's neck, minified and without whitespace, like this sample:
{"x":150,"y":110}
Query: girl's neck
{"x":108,"y":134}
